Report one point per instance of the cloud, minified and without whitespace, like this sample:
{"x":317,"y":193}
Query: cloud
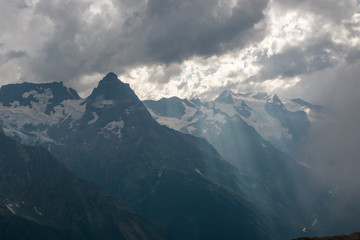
{"x":334,"y":153}
{"x":353,"y":55}
{"x":178,"y":30}
{"x":163,"y":74}
{"x":311,"y":56}
{"x":88,"y":37}
{"x":184,"y":48}
{"x":335,"y":11}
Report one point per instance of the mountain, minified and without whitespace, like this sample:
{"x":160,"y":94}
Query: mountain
{"x":231,"y":124}
{"x":40,"y":199}
{"x":178,"y":181}
{"x":222,"y":123}
{"x":159,"y":172}
{"x":238,"y":142}
{"x":285,"y":124}
{"x":243,"y":127}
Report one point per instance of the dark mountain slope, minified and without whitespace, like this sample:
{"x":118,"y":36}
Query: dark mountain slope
{"x":40,"y":199}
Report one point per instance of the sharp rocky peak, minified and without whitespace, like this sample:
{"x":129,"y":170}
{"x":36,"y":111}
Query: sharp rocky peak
{"x":112,"y":99}
{"x":110,"y":87}
{"x":110,"y":78}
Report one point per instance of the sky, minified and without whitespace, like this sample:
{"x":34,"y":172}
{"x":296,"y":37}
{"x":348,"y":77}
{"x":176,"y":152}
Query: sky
{"x":190,"y":48}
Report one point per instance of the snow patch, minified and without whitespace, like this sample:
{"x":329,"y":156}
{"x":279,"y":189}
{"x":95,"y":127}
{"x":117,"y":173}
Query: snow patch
{"x":226,"y":108}
{"x":314,"y":222}
{"x":191,"y":129}
{"x":96,"y":117}
{"x":73,"y":108}
{"x":198,"y":171}
{"x":115,"y":127}
{"x":175,"y":123}
{"x":45,"y":96}
{"x":28,"y":94}
{"x":37,"y":211}
{"x":10,"y":208}
{"x":100,"y":102}
{"x":211,"y":117}
{"x":304,"y":164}
{"x":189,"y":112}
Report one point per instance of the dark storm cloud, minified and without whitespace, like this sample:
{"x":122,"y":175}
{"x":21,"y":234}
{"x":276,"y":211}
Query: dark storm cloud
{"x":154,"y":32}
{"x":312,"y":56}
{"x":61,"y":57}
{"x":178,"y":30}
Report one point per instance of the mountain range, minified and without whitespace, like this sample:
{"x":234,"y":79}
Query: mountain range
{"x":178,"y":181}
{"x":111,"y":139}
{"x":283,"y":123}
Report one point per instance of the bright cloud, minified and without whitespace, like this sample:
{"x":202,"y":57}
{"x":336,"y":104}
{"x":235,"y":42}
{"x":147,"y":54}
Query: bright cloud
{"x":187,"y":49}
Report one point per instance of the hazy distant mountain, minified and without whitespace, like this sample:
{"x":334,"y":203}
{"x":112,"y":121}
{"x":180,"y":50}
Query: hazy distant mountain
{"x":285,"y":124}
{"x":239,"y":125}
{"x":221,"y":123}
{"x":40,"y":199}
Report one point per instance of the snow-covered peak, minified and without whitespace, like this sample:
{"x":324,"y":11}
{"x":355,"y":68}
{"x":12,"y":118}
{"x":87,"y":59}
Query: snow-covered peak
{"x":274,"y":119}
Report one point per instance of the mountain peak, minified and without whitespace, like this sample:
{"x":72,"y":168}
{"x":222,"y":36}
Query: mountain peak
{"x":111,"y":79}
{"x":111,"y":87}
{"x":112,"y":100}
{"x":274,"y":99}
{"x":225,"y":97}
